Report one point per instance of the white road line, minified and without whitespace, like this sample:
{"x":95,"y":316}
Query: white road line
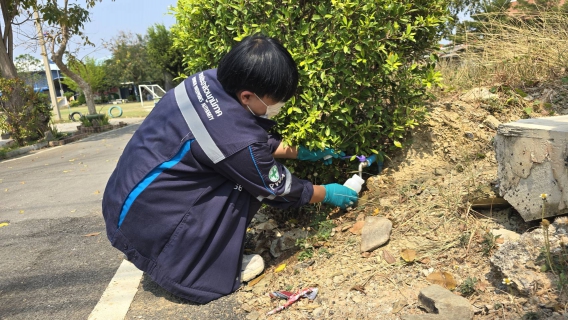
{"x":116,"y":299}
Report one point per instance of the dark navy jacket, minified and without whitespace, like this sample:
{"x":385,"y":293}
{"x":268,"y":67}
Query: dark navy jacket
{"x":187,"y":185}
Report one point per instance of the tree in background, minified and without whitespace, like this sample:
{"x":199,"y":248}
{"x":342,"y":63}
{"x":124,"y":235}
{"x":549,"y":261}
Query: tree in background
{"x":130,"y":61}
{"x":92,"y":72}
{"x":163,"y":54}
{"x":67,"y":21}
{"x":535,"y":6}
{"x":26,"y":66}
{"x":484,"y":12}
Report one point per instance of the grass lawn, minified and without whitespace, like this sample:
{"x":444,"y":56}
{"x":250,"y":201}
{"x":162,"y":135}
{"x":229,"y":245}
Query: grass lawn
{"x":129,"y":110}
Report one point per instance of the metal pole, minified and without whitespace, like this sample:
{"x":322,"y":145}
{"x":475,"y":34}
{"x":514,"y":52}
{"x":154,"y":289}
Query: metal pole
{"x":46,"y":65}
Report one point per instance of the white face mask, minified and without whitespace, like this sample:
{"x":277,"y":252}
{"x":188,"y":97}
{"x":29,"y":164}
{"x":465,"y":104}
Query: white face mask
{"x":271,"y":110}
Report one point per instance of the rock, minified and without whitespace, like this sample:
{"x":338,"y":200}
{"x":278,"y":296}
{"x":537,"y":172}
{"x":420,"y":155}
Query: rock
{"x":48,"y":136}
{"x":287,"y":241}
{"x":375,"y":233}
{"x":253,"y":315}
{"x":338,"y":279}
{"x":357,"y":298}
{"x":513,"y":257}
{"x":531,"y":161}
{"x":478,"y":94}
{"x":318,"y":312}
{"x":507,"y":235}
{"x":261,"y":217}
{"x":469,"y":135}
{"x":440,"y":172}
{"x":491,"y":122}
{"x":446,"y":305}
{"x":266,"y":226}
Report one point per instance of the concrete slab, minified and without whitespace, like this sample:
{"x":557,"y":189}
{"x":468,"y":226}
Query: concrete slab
{"x":532,"y":157}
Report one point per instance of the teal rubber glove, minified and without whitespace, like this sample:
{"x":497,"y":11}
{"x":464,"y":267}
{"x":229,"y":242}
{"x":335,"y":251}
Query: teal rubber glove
{"x":326,"y":154}
{"x":339,"y":196}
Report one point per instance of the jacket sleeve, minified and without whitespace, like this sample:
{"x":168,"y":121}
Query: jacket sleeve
{"x":273,"y":142}
{"x":267,"y":180}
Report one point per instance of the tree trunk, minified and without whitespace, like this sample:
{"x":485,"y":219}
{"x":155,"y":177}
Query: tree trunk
{"x":80,"y":82}
{"x":8,"y":71}
{"x":168,"y":81}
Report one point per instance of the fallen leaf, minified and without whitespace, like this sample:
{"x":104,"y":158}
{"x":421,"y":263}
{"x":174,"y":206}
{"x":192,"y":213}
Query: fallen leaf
{"x":425,"y":261}
{"x":408,"y":255}
{"x":499,"y":240}
{"x":388,"y":257}
{"x":72,"y":160}
{"x":73,"y":211}
{"x":92,"y":234}
{"x":65,"y":171}
{"x":444,"y":279}
{"x":21,"y":211}
{"x":365,"y":254}
{"x":357,"y":227}
{"x":6,"y":190}
{"x":280,"y":268}
{"x":3,"y":224}
{"x":96,"y":192}
{"x":376,"y":211}
{"x":23,"y":182}
{"x":256,"y":280}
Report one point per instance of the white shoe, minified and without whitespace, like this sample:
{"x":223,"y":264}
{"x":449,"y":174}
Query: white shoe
{"x":252,"y":266}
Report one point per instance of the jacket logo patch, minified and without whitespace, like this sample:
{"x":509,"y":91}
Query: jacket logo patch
{"x":273,"y":174}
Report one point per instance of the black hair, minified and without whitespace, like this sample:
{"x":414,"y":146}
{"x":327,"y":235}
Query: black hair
{"x":259,"y":64}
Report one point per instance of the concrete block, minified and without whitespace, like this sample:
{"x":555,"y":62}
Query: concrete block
{"x":532,"y":157}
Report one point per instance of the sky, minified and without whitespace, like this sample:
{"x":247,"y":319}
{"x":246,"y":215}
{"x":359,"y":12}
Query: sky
{"x":107,"y":19}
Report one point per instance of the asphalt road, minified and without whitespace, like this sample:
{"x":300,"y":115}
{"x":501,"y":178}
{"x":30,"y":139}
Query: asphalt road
{"x":55,"y":259}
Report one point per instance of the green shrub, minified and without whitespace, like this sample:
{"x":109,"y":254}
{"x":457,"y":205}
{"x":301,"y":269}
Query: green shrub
{"x":28,"y":120}
{"x":364,"y":66}
{"x":82,"y":99}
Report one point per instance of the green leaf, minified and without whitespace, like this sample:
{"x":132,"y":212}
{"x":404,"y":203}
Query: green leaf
{"x":397,"y":144}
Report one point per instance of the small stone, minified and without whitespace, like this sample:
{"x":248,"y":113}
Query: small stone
{"x":478,"y":94}
{"x":338,"y":279}
{"x":491,"y":122}
{"x":440,"y":172}
{"x":49,"y":136}
{"x":287,"y":241}
{"x":507,"y":235}
{"x":318,"y":312}
{"x":375,"y":233}
{"x":266,"y":226}
{"x":357,"y":298}
{"x":253,"y":315}
{"x":437,"y":299}
{"x":260,"y":217}
{"x":469,"y":135}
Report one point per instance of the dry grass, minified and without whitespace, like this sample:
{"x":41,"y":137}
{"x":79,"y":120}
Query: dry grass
{"x":522,"y":51}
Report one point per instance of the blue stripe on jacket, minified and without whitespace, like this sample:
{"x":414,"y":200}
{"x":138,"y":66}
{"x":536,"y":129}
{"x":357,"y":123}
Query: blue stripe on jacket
{"x":150,"y":177}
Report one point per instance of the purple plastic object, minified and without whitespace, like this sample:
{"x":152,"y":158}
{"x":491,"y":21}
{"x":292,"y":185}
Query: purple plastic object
{"x":360,"y":158}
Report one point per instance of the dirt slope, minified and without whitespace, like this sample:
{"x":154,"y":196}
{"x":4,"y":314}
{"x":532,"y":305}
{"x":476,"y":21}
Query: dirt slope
{"x":426,"y":191}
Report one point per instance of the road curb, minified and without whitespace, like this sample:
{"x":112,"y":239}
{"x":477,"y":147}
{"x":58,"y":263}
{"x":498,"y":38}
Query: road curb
{"x":46,"y":144}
